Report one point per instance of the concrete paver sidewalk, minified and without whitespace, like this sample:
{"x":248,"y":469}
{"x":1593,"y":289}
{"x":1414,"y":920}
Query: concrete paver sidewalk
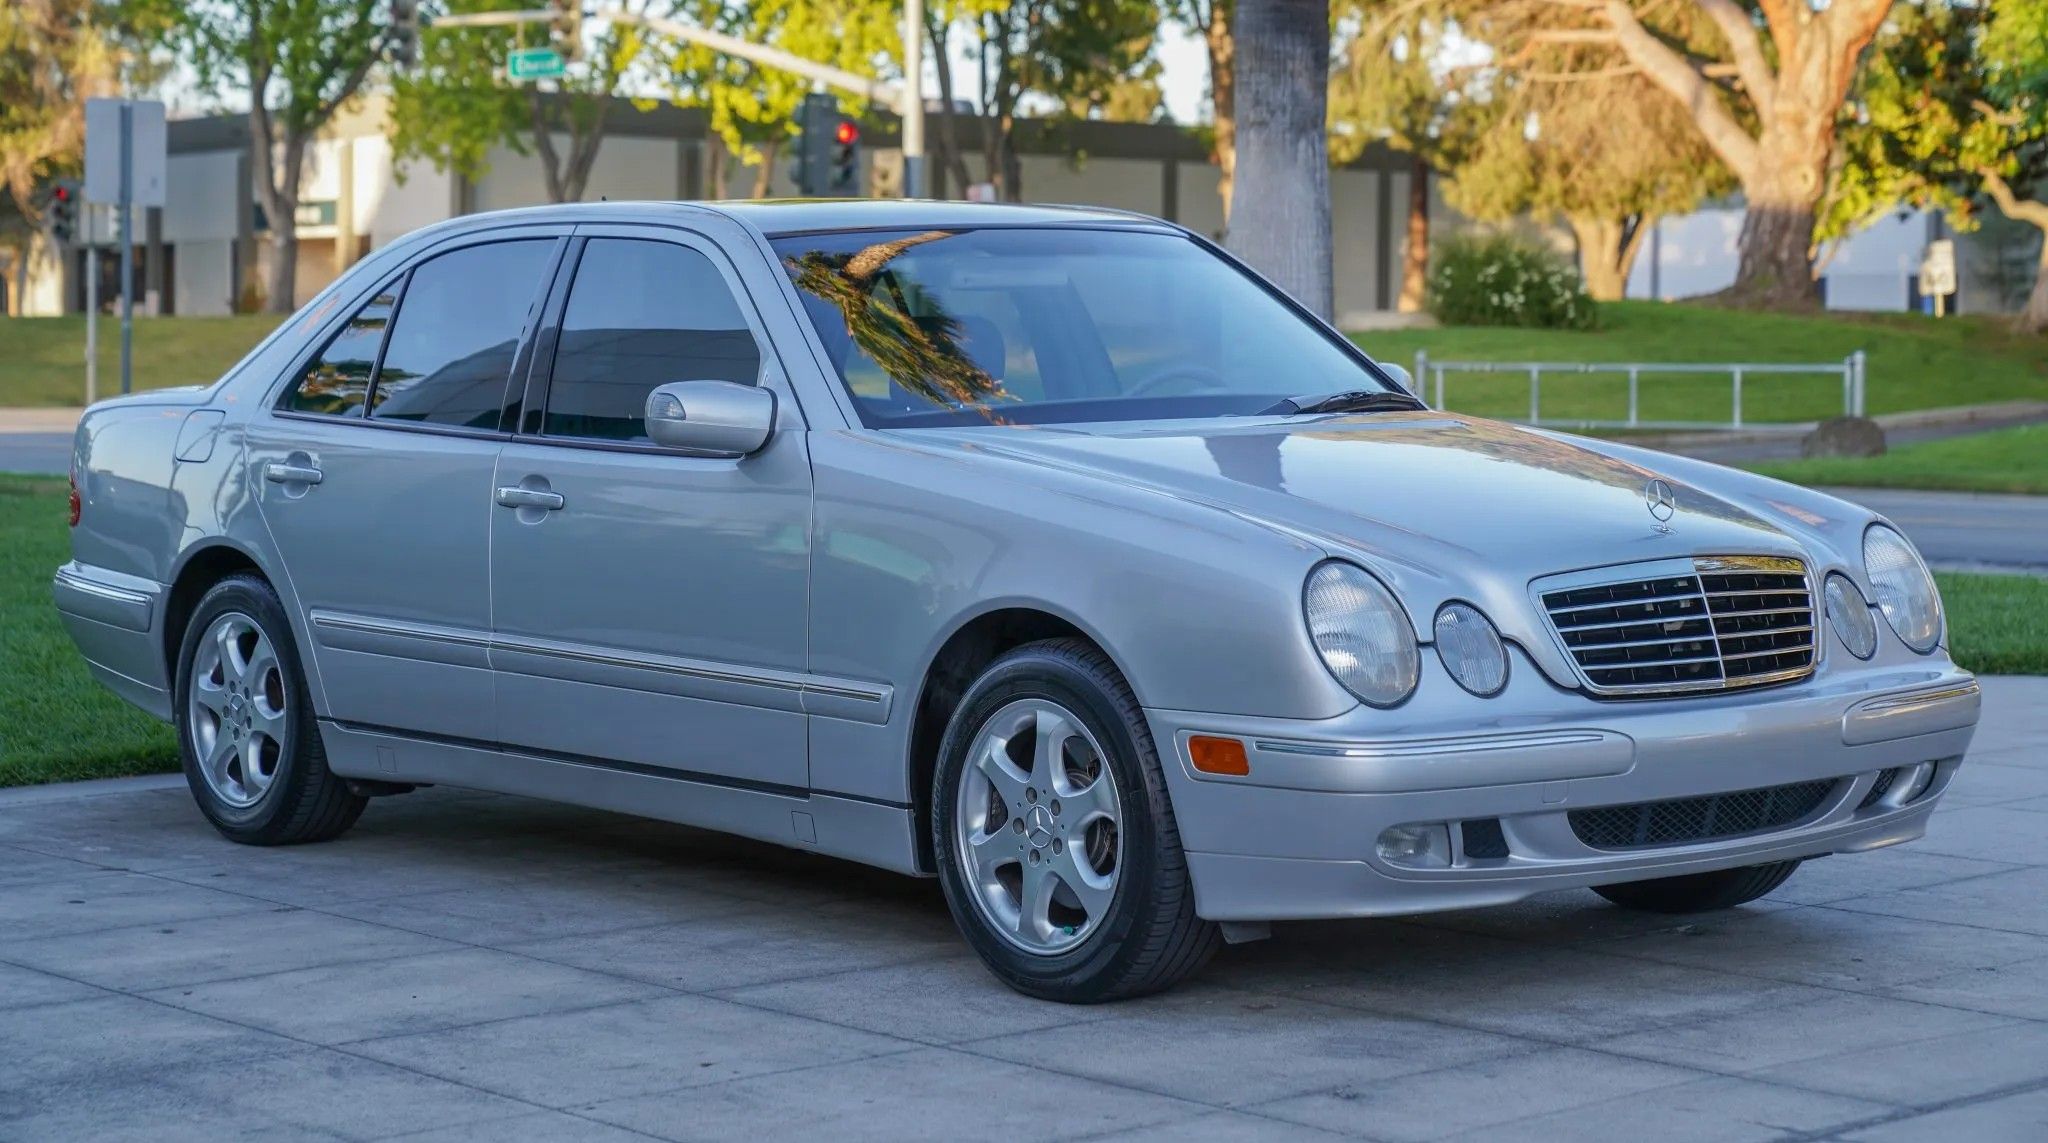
{"x":467,"y":966}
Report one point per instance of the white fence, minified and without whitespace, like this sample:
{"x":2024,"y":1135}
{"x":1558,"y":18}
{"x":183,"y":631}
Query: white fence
{"x":1429,"y":376}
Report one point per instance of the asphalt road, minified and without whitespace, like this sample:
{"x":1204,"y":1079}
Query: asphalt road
{"x":44,"y":453}
{"x":466,"y":966}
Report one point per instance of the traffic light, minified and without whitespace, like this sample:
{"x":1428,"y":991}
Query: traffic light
{"x":828,"y":149}
{"x":63,"y":211}
{"x":565,"y":27}
{"x":404,"y":44}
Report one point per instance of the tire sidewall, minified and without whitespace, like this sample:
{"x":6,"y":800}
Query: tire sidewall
{"x":1042,"y":674}
{"x":255,"y":599}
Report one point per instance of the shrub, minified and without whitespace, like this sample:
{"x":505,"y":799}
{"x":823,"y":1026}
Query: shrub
{"x":1497,"y":279}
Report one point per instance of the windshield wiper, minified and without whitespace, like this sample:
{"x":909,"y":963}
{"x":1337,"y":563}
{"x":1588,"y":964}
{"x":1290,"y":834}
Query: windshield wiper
{"x":1347,"y":401}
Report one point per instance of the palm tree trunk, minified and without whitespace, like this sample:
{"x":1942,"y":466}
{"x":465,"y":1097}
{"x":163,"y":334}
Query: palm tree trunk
{"x":1280,"y":210}
{"x":1415,"y":253}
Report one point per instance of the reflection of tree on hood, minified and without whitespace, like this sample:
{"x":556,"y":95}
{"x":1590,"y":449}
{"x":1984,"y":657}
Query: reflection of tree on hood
{"x":921,"y":352}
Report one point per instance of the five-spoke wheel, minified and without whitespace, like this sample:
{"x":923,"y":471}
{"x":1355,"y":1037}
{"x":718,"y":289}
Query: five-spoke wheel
{"x":1055,"y":842}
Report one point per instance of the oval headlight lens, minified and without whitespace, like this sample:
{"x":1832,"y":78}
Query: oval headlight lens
{"x":1471,"y":649}
{"x":1849,"y":614}
{"x":1904,"y":589}
{"x":1362,"y":634}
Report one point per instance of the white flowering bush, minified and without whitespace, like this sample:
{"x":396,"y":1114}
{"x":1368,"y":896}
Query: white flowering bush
{"x":1497,"y":279}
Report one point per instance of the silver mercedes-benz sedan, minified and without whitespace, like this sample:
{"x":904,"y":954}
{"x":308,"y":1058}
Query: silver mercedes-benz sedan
{"x":1048,"y":552}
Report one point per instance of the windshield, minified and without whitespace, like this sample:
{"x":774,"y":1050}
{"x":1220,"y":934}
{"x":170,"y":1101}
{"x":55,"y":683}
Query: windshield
{"x":1021,"y":326}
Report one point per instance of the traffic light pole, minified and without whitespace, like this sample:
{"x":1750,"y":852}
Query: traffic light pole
{"x":911,"y":106}
{"x":92,"y":308}
{"x":127,"y":241}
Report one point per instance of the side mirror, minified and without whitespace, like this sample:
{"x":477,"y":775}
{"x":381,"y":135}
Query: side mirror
{"x":710,"y":418}
{"x":1401,"y":377}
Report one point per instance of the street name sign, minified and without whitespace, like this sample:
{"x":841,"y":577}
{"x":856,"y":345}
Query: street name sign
{"x":535,"y":63}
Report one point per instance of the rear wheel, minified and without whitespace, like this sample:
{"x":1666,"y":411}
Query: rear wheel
{"x":1056,"y":846}
{"x":251,"y":752}
{"x":1700,"y":892}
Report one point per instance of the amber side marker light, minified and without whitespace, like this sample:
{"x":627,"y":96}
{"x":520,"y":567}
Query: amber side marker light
{"x":1218,"y":755}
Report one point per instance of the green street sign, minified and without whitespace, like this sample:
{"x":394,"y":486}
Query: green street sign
{"x":535,"y":63}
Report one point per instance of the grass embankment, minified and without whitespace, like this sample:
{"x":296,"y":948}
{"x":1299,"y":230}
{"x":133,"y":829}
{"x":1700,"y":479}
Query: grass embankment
{"x":2003,"y":460}
{"x":42,"y":360}
{"x":56,"y":723}
{"x":1914,"y":362}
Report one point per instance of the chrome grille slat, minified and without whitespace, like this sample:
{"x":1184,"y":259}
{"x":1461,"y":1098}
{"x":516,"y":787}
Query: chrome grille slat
{"x":1734,"y":622}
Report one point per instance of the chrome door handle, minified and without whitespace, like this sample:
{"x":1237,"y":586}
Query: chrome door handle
{"x":516,"y":497}
{"x":278,"y":472}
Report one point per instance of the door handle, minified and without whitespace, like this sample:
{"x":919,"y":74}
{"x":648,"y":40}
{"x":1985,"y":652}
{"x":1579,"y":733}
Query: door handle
{"x":278,"y":472}
{"x":512,"y":496}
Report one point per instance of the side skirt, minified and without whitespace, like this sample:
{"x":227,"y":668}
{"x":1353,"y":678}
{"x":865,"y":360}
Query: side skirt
{"x":873,"y":833}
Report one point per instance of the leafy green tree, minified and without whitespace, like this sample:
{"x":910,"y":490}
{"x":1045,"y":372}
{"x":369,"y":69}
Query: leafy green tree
{"x":455,"y":105}
{"x":299,"y":61}
{"x":752,"y":108}
{"x":1764,"y":88}
{"x":1953,"y":109}
{"x":1607,"y":153}
{"x":1054,"y":49}
{"x":1391,"y":84}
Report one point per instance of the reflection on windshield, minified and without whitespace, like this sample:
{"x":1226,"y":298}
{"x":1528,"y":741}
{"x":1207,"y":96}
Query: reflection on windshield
{"x":920,"y":353}
{"x":1035,"y":326}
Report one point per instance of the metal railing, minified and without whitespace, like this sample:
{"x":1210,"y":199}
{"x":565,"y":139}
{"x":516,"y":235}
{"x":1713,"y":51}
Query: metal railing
{"x":1429,"y":378}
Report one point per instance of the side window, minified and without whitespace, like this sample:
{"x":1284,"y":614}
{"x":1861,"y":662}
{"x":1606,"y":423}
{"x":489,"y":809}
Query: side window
{"x":641,"y":313}
{"x":337,"y":383}
{"x":449,"y":361}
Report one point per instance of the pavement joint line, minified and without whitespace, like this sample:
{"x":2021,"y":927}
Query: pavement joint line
{"x":46,"y":792}
{"x":1915,"y":1111}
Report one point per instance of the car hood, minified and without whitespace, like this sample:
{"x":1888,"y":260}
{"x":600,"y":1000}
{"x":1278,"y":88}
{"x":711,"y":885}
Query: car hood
{"x":1429,"y":499}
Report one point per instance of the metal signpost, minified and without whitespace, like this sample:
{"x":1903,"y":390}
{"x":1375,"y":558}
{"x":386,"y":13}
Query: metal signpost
{"x":125,"y":157}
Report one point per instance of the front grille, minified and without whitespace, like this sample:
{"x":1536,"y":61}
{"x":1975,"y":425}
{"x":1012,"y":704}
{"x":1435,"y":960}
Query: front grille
{"x":1728,"y":622}
{"x":1715,"y":816}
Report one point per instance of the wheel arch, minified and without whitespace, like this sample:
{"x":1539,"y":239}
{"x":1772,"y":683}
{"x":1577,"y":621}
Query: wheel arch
{"x":973,"y":641}
{"x":198,"y":569}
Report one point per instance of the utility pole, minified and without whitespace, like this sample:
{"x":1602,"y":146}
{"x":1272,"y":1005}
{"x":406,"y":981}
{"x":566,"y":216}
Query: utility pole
{"x":913,"y":99}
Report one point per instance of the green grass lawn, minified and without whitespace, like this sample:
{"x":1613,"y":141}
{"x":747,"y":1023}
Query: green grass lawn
{"x":42,"y":360}
{"x":56,"y":723}
{"x":2003,"y":460}
{"x":1914,"y":362}
{"x":1998,"y":624}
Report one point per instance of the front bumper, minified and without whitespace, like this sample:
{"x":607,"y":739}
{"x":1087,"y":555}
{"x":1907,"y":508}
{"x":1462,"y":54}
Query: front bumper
{"x":1295,"y":838}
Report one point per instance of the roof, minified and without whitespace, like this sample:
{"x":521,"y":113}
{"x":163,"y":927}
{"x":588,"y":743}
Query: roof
{"x":795,"y":215}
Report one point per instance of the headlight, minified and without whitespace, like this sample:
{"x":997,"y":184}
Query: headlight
{"x":1904,"y":589}
{"x":1361,"y":632}
{"x":1849,"y":614}
{"x":1471,"y":649}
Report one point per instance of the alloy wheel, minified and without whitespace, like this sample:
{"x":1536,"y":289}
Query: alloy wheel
{"x":238,"y":709}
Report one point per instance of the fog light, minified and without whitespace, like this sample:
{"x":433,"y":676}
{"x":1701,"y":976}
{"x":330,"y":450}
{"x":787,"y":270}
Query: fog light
{"x":1918,"y":779}
{"x":1416,"y":844}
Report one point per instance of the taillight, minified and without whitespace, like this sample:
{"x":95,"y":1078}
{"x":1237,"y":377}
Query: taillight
{"x":76,"y":506}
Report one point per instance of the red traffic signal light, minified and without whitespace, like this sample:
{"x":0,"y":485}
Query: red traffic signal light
{"x":846,"y":134}
{"x":61,"y":193}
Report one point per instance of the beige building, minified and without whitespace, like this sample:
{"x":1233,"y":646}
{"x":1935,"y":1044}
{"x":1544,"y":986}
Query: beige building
{"x":205,"y":249}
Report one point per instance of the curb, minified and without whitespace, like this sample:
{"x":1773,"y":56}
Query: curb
{"x":94,"y":788}
{"x":39,"y":420}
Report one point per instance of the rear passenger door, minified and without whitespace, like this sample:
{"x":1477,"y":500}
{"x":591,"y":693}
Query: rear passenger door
{"x":373,"y":472}
{"x":650,"y":607}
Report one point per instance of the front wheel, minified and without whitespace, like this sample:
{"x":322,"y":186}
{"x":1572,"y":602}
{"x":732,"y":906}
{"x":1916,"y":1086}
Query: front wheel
{"x":246,"y":734}
{"x":1056,"y":846}
{"x":1700,"y":892}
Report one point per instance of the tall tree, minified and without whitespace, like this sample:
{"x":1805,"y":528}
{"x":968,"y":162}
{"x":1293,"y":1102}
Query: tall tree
{"x":1048,"y":48}
{"x":1280,"y":214}
{"x":454,"y":107}
{"x":300,"y":61}
{"x":1607,"y":153}
{"x":1393,"y":84}
{"x":751,"y":107}
{"x":1211,"y":20}
{"x":1765,"y":93}
{"x":1953,"y":110}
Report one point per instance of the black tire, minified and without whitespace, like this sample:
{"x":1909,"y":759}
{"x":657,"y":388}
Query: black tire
{"x":304,"y":800}
{"x":1699,"y":892}
{"x":1150,"y":937}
